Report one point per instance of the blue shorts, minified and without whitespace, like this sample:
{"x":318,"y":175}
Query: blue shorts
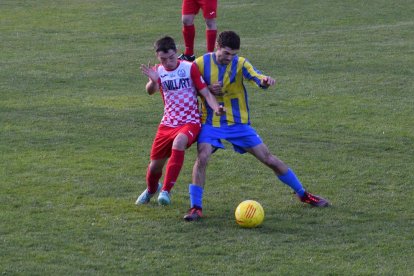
{"x":241,"y":136}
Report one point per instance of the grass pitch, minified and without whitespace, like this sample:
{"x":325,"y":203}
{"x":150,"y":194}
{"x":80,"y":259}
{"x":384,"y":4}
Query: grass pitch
{"x":76,"y":127}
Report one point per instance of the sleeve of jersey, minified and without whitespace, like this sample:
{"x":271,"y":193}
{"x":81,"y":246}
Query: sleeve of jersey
{"x":198,"y":80}
{"x":252,"y":74}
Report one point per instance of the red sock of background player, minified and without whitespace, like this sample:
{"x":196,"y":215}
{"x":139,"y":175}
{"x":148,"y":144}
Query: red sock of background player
{"x":211,"y":39}
{"x":189,"y":36}
{"x":174,"y":165}
{"x":152,"y":181}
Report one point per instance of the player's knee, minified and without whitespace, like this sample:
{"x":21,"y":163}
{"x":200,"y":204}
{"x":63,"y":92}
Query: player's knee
{"x":155,"y":167}
{"x":180,"y":142}
{"x":187,"y":20}
{"x":211,"y":24}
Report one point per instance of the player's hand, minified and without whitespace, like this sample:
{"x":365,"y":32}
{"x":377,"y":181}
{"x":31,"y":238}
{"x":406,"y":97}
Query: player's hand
{"x":268,"y":81}
{"x":148,"y":71}
{"x":215,"y":88}
{"x":220,"y":111}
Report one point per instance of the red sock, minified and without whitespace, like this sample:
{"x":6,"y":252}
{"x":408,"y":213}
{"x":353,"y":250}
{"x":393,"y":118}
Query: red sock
{"x":174,"y":166}
{"x":152,"y":181}
{"x":189,"y":35}
{"x":211,"y":39}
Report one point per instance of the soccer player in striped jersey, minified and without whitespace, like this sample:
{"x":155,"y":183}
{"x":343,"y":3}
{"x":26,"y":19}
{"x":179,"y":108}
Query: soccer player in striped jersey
{"x":225,"y":74}
{"x":179,"y":82}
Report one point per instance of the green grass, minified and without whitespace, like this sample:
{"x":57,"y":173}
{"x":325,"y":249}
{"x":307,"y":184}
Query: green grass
{"x":76,"y":127}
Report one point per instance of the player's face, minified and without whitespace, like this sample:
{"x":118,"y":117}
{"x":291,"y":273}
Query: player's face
{"x":225,"y":55}
{"x":168,"y":60}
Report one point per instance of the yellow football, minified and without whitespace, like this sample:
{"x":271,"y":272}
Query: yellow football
{"x":249,"y":214}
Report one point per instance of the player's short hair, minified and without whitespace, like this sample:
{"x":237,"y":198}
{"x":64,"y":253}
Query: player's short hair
{"x":165,"y":44}
{"x":229,"y":39}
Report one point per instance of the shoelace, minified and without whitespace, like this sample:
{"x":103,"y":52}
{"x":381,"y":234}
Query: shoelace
{"x":312,"y":198}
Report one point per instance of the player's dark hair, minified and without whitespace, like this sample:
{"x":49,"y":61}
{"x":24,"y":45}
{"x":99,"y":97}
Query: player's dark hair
{"x":165,"y":44}
{"x":229,"y":39}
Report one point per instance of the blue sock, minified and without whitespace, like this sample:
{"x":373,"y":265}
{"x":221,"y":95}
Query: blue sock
{"x":290,"y":179}
{"x":196,"y":195}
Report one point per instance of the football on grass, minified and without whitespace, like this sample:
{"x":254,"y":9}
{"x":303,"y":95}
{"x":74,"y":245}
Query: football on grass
{"x":249,"y":214}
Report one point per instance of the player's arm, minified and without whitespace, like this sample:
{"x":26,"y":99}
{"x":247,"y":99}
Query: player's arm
{"x":153,"y":78}
{"x":212,"y":102}
{"x":254,"y":75}
{"x":204,"y":91}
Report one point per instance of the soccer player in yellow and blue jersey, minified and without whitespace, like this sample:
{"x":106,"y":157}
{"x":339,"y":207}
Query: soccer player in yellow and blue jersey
{"x":225,"y":74}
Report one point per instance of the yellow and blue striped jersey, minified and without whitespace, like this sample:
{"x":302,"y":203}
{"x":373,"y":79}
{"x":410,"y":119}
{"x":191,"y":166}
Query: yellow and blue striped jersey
{"x":234,"y":98}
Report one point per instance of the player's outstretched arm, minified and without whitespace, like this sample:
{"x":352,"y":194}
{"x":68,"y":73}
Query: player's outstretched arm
{"x":212,"y":102}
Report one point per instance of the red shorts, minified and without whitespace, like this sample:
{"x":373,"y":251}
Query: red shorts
{"x":163,"y":141}
{"x":209,"y":7}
